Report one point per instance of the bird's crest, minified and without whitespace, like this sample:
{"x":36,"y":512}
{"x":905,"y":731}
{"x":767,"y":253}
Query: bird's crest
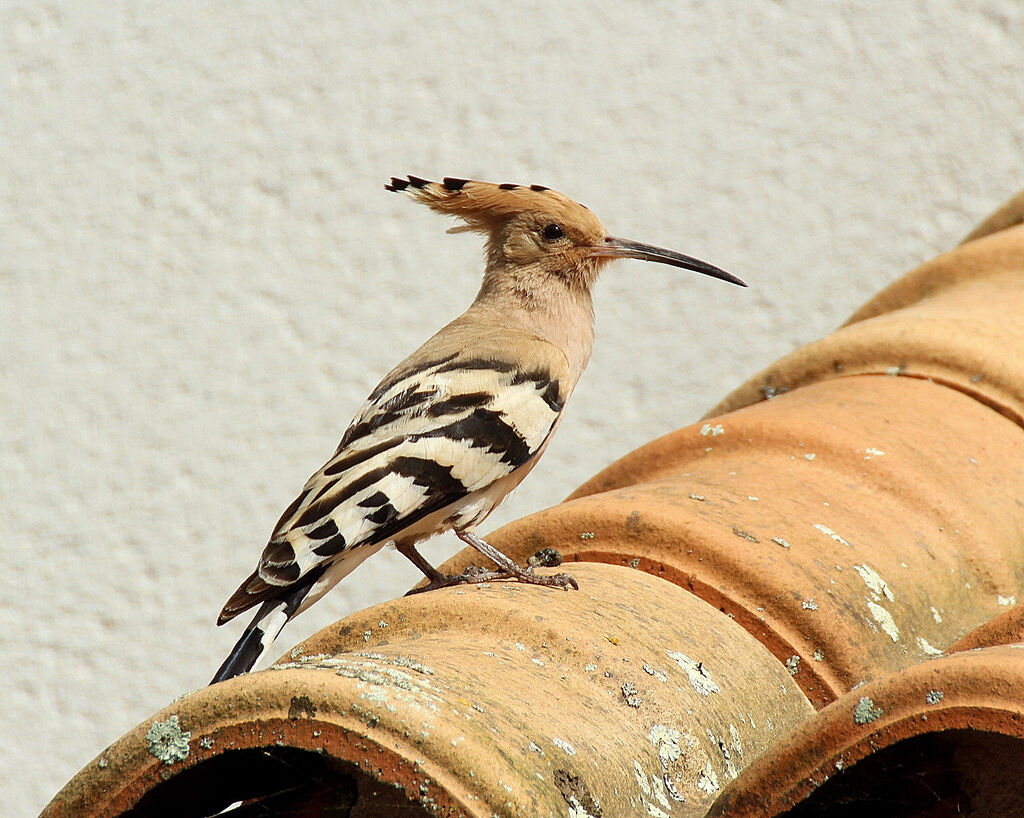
{"x":483,"y":205}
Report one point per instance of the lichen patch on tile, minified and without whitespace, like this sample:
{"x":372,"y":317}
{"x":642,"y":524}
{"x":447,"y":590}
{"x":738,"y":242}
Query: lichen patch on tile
{"x":167,"y":741}
{"x":696,"y":672}
{"x":865,"y":712}
{"x":828,"y":532}
{"x":666,"y":740}
{"x":737,"y":744}
{"x":928,"y":648}
{"x":708,"y":780}
{"x":878,"y":586}
{"x":933,"y":696}
{"x":885,"y":621}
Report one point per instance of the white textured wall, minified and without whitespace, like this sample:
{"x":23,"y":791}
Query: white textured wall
{"x":201,"y":274}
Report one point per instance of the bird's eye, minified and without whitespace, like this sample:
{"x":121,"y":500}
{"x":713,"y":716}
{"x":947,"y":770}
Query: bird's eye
{"x":553,"y":232}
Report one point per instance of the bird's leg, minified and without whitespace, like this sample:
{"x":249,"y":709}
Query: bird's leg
{"x":438,"y":580}
{"x":435,"y":577}
{"x":509,"y":569}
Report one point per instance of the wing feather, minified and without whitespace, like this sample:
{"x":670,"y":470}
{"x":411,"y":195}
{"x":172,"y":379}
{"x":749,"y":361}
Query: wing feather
{"x":436,"y":429}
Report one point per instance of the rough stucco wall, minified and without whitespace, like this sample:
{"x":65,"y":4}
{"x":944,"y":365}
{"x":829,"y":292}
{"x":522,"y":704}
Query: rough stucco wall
{"x":201,"y":275}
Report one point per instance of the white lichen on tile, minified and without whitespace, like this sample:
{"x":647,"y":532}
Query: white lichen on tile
{"x":793,"y":665}
{"x":631,"y":695}
{"x":723,"y":748}
{"x":744,"y":535}
{"x":577,"y":810}
{"x":737,"y":743}
{"x":563,"y":745}
{"x":411,"y":664}
{"x":699,"y":497}
{"x":673,"y":790}
{"x":780,"y":541}
{"x":884,"y":620}
{"x":865,"y":712}
{"x":707,"y":781}
{"x":658,"y":788}
{"x":872,"y":452}
{"x":380,"y":679}
{"x":587,"y":535}
{"x":930,"y":649}
{"x":936,"y":615}
{"x":1006,"y":600}
{"x":666,"y":740}
{"x":878,"y":586}
{"x":810,"y":456}
{"x":819,"y":655}
{"x":660,"y":675}
{"x":933,"y":696}
{"x":167,"y":741}
{"x":828,"y":532}
{"x":696,"y":672}
{"x":809,"y":605}
{"x":654,"y":812}
{"x":641,"y":779}
{"x":714,"y":431}
{"x":379,"y":696}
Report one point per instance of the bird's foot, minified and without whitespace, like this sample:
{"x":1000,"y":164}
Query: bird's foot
{"x":477,"y":576}
{"x":520,"y":574}
{"x":507,"y":568}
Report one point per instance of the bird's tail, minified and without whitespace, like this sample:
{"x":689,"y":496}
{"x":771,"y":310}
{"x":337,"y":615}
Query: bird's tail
{"x":256,"y":639}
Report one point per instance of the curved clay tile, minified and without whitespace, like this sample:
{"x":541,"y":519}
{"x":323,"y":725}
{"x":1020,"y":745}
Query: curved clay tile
{"x":865,"y":519}
{"x":1010,"y":214}
{"x":1005,"y":629}
{"x":839,"y":523}
{"x":954,"y":320}
{"x":629,"y":697}
{"x":942,"y":737}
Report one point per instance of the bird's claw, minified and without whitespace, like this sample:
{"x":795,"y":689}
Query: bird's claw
{"x":566,"y":581}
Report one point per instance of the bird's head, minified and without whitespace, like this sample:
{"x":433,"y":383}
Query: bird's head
{"x":535,"y":232}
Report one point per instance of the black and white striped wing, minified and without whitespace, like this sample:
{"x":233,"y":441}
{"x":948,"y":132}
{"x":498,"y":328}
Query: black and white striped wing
{"x":427,"y":438}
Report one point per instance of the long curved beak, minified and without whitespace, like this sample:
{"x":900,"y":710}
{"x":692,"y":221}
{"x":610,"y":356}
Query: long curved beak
{"x":624,"y":248}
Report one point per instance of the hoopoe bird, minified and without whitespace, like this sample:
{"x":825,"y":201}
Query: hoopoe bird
{"x":458,"y":424}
